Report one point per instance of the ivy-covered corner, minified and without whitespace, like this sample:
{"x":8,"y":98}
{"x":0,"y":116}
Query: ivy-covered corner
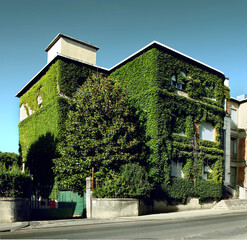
{"x":46,"y":106}
{"x":174,"y":96}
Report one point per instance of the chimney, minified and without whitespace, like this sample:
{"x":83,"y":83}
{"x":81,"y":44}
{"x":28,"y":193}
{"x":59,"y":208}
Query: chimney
{"x":72,"y":48}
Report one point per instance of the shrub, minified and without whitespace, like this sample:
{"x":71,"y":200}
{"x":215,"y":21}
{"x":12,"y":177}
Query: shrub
{"x":10,"y":158}
{"x":132,"y":182}
{"x":179,"y":189}
{"x":14,"y":183}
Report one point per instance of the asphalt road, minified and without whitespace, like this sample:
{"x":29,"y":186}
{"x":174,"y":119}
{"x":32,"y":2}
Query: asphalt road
{"x":219,"y":227}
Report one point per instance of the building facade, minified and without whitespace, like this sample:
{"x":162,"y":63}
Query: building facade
{"x":238,"y":141}
{"x":179,"y":100}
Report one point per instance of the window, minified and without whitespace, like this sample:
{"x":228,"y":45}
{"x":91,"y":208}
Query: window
{"x":233,"y":147}
{"x":207,"y":131}
{"x":233,"y":177}
{"x":177,"y":81}
{"x":205,"y":171}
{"x":183,"y":74}
{"x":39,"y":100}
{"x":176,"y":169}
{"x":174,"y":81}
{"x":209,"y":92}
{"x":234,"y":116}
{"x":178,"y":124}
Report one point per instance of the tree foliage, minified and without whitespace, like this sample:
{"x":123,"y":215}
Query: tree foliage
{"x":9,"y":159}
{"x":131,"y":182}
{"x":101,"y":131}
{"x":13,"y":182}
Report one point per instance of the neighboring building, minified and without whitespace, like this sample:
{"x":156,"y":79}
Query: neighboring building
{"x":179,"y":99}
{"x":238,"y":141}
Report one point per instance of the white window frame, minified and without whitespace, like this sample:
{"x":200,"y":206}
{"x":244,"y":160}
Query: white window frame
{"x":207,"y":131}
{"x":177,"y":169}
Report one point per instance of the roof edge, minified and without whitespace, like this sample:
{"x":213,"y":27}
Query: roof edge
{"x":166,"y":47}
{"x":68,"y":37}
{"x":32,"y":81}
{"x":238,"y":101}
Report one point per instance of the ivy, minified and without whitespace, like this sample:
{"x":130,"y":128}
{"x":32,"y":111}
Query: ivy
{"x":48,"y":120}
{"x":46,"y":104}
{"x":60,"y":80}
{"x":171,"y":120}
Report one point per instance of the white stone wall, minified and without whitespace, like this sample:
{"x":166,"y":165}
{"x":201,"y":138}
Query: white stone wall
{"x":56,"y":49}
{"x":114,"y":207}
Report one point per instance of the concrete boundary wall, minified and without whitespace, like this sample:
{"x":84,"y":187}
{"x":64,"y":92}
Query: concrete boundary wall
{"x":191,"y":204}
{"x":114,"y":207}
{"x":124,"y":207}
{"x":14,"y":209}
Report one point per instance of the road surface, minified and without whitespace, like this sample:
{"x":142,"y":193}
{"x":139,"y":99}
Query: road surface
{"x":220,"y":227}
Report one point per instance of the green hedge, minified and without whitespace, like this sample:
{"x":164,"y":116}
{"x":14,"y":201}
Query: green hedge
{"x":14,"y":184}
{"x":179,"y":189}
{"x":131,"y":182}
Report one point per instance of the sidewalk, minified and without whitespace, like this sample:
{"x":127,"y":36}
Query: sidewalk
{"x":193,"y":214}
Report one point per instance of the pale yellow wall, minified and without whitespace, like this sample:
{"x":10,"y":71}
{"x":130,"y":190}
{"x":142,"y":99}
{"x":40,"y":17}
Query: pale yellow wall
{"x":234,"y":105}
{"x":72,"y":49}
{"x":242,"y":115}
{"x":78,"y":51}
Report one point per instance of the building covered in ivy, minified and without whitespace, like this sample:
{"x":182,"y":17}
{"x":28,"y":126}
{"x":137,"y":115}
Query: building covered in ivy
{"x":180,"y":100}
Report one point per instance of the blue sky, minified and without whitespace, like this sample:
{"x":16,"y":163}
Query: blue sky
{"x":211,"y":31}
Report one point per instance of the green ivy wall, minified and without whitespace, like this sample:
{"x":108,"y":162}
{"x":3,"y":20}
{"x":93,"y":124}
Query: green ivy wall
{"x":165,"y":113}
{"x":61,"y":79}
{"x":162,"y":111}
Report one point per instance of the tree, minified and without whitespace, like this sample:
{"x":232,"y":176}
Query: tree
{"x":101,"y":131}
{"x":9,"y":159}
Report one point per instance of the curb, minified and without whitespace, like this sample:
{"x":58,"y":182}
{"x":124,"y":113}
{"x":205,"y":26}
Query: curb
{"x":198,"y":214}
{"x":9,"y":227}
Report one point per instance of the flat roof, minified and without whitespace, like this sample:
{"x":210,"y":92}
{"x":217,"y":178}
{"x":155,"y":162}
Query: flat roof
{"x":238,"y":101}
{"x":70,"y":38}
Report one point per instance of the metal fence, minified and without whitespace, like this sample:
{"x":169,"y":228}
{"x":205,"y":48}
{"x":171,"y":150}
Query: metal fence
{"x":42,"y":196}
